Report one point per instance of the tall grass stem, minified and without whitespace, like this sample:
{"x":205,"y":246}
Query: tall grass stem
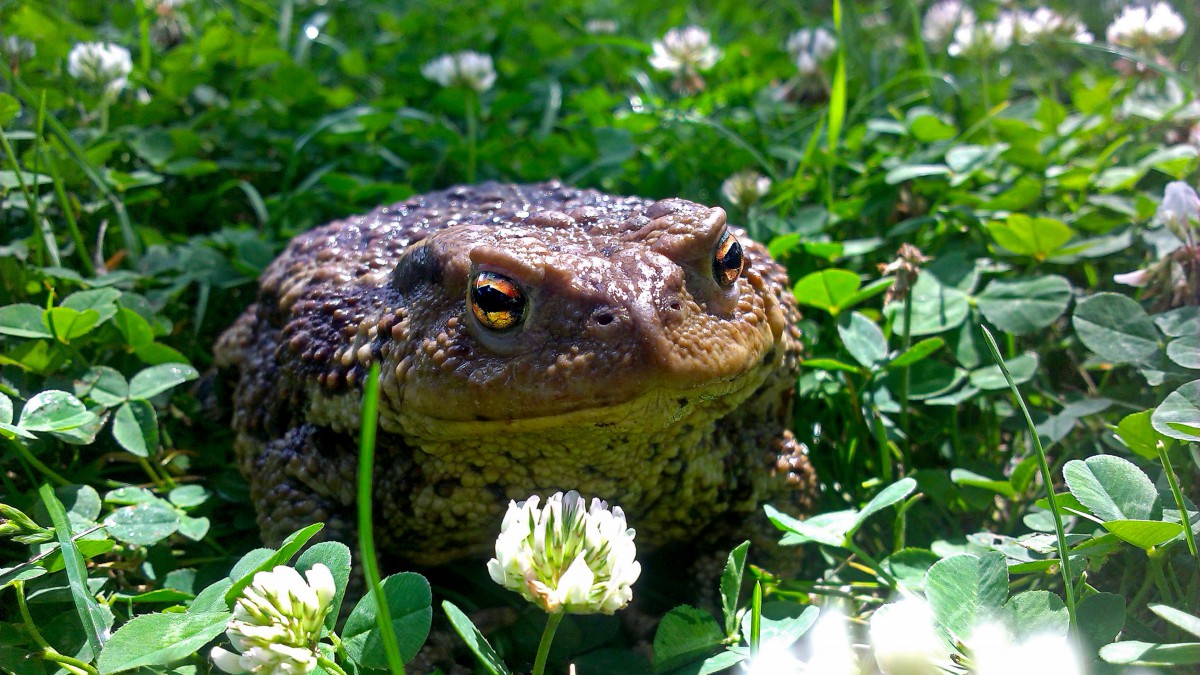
{"x":1060,"y":536}
{"x":905,"y":375}
{"x":1173,"y":481}
{"x":366,"y":536}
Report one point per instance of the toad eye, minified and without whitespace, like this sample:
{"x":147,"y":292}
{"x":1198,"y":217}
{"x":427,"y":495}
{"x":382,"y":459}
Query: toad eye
{"x":496,"y":300}
{"x":727,"y":260}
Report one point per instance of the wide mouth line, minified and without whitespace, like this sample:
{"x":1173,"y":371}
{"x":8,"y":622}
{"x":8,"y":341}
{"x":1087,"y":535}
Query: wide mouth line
{"x":666,"y":406}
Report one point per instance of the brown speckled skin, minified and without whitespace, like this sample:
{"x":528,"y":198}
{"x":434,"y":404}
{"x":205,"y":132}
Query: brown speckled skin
{"x":634,"y":377}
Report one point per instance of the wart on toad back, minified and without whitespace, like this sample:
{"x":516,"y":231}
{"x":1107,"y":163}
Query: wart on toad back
{"x":531,"y":339}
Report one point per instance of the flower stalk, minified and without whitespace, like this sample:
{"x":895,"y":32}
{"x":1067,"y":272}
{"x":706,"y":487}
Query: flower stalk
{"x":543,"y":652}
{"x":1173,"y":481}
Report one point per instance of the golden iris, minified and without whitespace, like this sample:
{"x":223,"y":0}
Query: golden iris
{"x":496,"y":300}
{"x":728,"y":260}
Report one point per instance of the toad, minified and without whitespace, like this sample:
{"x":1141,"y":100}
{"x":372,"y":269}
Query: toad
{"x":531,"y":339}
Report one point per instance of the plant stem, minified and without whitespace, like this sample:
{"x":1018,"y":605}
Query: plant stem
{"x":30,"y":203}
{"x":144,"y":39}
{"x":69,"y":663}
{"x":885,"y":450}
{"x":77,"y":153}
{"x":904,"y":378}
{"x":1060,"y":535}
{"x":756,"y":619}
{"x":900,"y":531}
{"x":19,"y":587}
{"x":985,"y":85}
{"x":37,"y":464}
{"x":919,"y":41}
{"x":337,"y":645}
{"x":539,"y":664}
{"x":875,"y":566}
{"x":330,"y":665}
{"x":472,"y":132}
{"x":1179,"y":503}
{"x":48,"y":653}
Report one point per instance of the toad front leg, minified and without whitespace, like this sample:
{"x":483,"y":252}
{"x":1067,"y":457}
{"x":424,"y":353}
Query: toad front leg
{"x":306,"y":476}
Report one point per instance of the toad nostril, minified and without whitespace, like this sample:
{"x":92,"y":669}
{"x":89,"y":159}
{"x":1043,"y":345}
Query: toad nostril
{"x":604,"y":319}
{"x":675,"y":306}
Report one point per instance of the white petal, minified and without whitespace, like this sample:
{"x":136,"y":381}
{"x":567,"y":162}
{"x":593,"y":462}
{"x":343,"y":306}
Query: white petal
{"x":905,"y":641}
{"x":227,"y":661}
{"x":321,"y":580}
{"x":575,"y":586}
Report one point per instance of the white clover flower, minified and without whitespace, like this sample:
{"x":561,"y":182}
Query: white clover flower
{"x":684,"y":49}
{"x":995,"y":652}
{"x":975,"y":41}
{"x":1044,"y":23}
{"x":601,"y":26}
{"x":775,"y":658}
{"x":462,"y":69}
{"x":102,"y":64}
{"x":1179,"y":208}
{"x":744,"y":188}
{"x":941,"y":20}
{"x":905,"y":641}
{"x":809,"y":47}
{"x":563,"y":558}
{"x":832,"y":651}
{"x":277,"y":622}
{"x":1140,"y":27}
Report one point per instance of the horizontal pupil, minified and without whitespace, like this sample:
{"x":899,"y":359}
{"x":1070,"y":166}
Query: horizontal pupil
{"x":733,"y":256}
{"x":491,"y":299}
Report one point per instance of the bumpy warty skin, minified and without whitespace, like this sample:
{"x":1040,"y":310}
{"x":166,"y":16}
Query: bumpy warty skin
{"x":633,"y":377}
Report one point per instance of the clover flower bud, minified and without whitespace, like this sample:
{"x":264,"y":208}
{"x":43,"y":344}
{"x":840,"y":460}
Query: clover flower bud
{"x":906,"y":267}
{"x":1179,"y":208}
{"x":978,"y":41}
{"x":102,"y":64}
{"x":15,"y":51}
{"x":164,"y":7}
{"x":277,"y":622}
{"x":905,"y":641}
{"x":1136,"y":278}
{"x":744,"y":188}
{"x":809,"y":47}
{"x":565,"y":558}
{"x":684,"y":49}
{"x":942,"y":19}
{"x":468,"y":69}
{"x":601,"y":26}
{"x":1139,"y":27}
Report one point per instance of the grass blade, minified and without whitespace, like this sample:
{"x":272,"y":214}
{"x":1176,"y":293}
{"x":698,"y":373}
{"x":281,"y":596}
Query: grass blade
{"x":95,"y":624}
{"x":1059,"y":534}
{"x":837,"y":106}
{"x":366,"y":535}
{"x":85,"y":165}
{"x":837,"y":92}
